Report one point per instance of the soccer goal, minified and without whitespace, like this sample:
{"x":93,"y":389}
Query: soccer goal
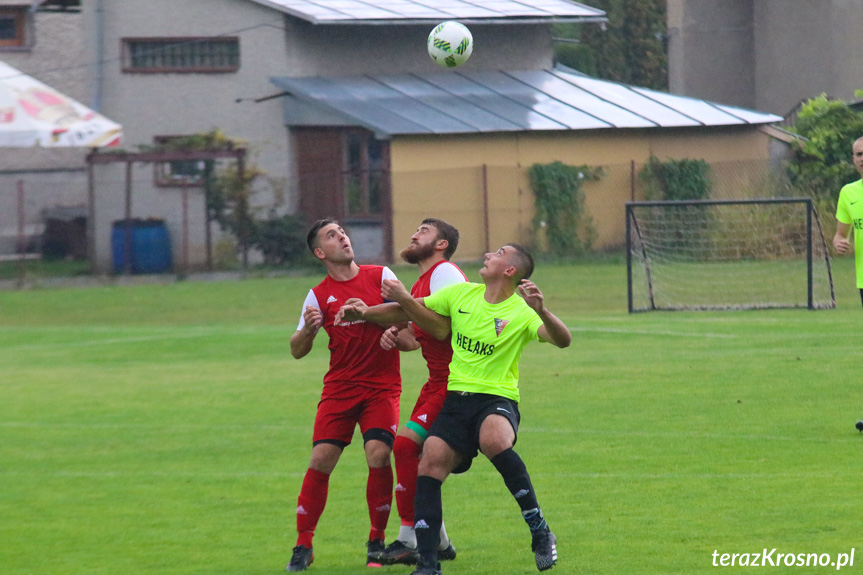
{"x":727,"y":255}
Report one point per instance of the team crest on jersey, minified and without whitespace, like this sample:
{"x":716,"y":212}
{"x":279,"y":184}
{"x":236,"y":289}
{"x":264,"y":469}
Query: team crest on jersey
{"x":499,"y":324}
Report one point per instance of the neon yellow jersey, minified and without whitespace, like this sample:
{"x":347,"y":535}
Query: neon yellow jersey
{"x":849,"y":210}
{"x":487,"y":339}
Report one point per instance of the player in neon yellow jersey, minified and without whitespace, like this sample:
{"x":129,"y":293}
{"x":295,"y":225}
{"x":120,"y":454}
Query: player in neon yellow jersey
{"x":490,"y":327}
{"x":849,"y":212}
{"x":849,"y":216}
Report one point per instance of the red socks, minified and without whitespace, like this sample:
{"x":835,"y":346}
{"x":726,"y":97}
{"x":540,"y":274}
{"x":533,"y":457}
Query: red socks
{"x":313,"y":499}
{"x":407,"y":456}
{"x":379,"y":495}
{"x":310,"y":505}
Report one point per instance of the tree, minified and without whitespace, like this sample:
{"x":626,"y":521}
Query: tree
{"x":630,"y":48}
{"x":821,"y":164}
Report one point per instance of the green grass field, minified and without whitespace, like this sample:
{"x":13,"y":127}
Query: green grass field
{"x":166,"y":429}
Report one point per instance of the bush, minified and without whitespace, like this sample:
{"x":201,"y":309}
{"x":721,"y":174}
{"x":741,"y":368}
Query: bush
{"x":675,"y":180}
{"x":282,"y":240}
{"x":821,"y":164}
{"x":559,"y":201}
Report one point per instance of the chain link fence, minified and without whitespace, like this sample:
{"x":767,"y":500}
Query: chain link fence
{"x":44,"y":213}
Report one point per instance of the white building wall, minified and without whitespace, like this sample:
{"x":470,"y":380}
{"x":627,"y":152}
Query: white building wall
{"x":271,"y":44}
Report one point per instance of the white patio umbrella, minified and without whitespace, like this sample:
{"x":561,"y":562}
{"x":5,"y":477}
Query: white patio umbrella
{"x":34,"y":114}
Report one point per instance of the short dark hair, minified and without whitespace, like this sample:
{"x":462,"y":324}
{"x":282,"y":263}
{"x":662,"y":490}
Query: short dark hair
{"x":524,"y":261}
{"x":446,"y":232}
{"x":312,"y":236}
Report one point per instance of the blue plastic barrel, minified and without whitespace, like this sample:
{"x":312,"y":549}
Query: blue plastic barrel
{"x":141,"y":246}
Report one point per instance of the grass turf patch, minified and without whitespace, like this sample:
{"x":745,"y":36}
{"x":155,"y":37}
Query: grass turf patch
{"x":166,"y":429}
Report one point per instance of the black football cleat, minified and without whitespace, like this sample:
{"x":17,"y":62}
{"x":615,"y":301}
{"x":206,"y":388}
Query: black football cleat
{"x":544,"y":547}
{"x":301,"y":559}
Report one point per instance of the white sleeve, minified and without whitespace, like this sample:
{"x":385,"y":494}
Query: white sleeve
{"x":444,"y":275}
{"x":311,"y":300}
{"x":387,"y":274}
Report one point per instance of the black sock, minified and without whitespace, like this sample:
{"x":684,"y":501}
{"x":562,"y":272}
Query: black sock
{"x":510,"y":466}
{"x":428,"y":516}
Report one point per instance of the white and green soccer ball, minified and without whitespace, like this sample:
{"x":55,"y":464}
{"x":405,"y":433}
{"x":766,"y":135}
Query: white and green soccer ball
{"x":450,"y":44}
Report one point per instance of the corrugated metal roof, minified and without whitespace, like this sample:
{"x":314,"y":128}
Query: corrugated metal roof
{"x":427,"y":11}
{"x":476,"y":101}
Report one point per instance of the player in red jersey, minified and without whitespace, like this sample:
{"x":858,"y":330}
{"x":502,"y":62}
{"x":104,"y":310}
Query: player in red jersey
{"x":361,"y":387}
{"x":431,"y":247}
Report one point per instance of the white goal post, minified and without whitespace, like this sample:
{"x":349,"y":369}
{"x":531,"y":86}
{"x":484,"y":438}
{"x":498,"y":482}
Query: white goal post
{"x":727,"y":255}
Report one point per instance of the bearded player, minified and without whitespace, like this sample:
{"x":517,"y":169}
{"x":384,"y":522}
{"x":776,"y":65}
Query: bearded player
{"x":431,"y":248}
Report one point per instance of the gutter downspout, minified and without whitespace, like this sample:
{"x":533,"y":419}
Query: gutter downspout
{"x":99,"y":48}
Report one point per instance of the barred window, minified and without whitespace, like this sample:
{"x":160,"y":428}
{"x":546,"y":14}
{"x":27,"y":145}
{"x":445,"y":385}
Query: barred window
{"x":13,"y":27}
{"x":182,"y":55}
{"x":59,"y":6}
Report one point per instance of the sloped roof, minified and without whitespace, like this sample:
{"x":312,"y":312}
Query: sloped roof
{"x":477,"y":101}
{"x":427,"y":11}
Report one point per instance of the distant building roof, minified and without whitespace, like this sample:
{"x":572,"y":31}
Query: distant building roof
{"x":477,"y":101}
{"x":423,"y":11}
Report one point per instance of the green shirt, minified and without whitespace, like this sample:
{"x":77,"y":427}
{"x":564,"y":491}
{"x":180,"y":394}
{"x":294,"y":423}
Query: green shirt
{"x":487,"y":339}
{"x":849,"y":210}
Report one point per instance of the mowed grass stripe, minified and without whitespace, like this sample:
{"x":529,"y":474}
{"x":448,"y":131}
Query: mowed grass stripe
{"x":651,"y":441}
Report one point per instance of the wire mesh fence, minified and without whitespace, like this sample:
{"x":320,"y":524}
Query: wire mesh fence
{"x":43,"y":214}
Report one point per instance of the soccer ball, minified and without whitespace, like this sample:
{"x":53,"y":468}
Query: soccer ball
{"x":450,"y":44}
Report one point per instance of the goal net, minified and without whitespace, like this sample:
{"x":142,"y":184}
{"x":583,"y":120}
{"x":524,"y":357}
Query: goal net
{"x":727,"y":255}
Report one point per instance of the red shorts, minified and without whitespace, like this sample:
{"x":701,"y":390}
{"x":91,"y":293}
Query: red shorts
{"x":427,"y":407}
{"x":343,"y":406}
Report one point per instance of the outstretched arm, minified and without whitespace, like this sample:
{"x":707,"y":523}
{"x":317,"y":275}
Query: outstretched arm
{"x":436,"y":325}
{"x":552,"y":329}
{"x":385,"y":314}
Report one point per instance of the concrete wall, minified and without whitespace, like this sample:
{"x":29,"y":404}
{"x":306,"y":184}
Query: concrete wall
{"x":444,"y":177}
{"x":765,"y":54}
{"x":795,"y":46}
{"x":349,"y":50}
{"x":711,"y":52}
{"x":148,"y":202}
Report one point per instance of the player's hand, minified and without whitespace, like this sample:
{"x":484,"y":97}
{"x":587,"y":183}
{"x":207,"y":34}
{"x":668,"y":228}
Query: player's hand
{"x":532,"y":295}
{"x":394,"y":290}
{"x":389,"y":339}
{"x":353,"y":310}
{"x":841,"y":245}
{"x":313,"y":318}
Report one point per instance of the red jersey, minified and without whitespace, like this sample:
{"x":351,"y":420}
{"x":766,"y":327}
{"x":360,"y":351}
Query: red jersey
{"x":437,"y":353}
{"x":355,"y":352}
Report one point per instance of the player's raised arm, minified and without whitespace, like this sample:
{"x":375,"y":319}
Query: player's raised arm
{"x":552,"y":329}
{"x":436,"y":325}
{"x":304,"y":337}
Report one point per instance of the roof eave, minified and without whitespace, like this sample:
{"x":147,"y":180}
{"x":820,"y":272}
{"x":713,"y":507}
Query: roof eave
{"x":599,"y":17}
{"x":466,"y":21}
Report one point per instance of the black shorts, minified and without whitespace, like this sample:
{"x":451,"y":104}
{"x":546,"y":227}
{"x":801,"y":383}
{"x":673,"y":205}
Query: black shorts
{"x":462,"y":415}
{"x":861,"y":294}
